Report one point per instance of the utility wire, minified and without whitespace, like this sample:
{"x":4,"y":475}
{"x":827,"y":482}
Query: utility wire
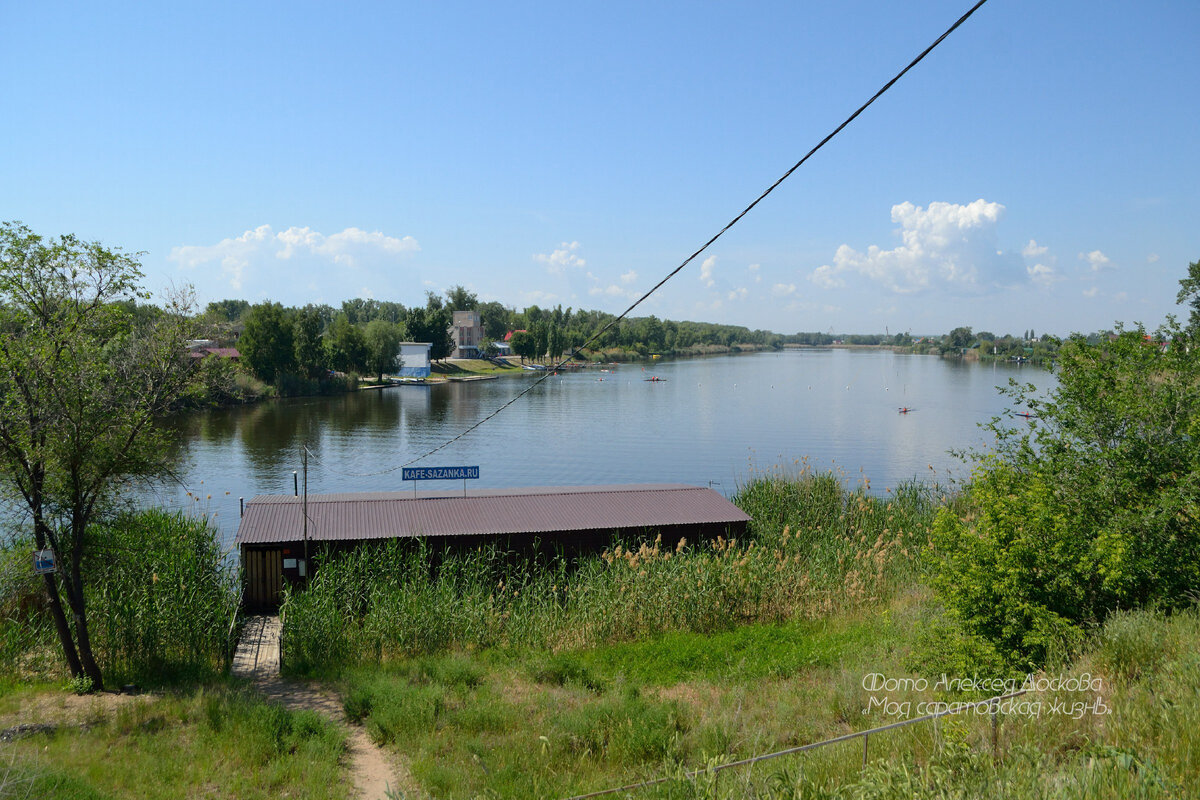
{"x":698,"y":252}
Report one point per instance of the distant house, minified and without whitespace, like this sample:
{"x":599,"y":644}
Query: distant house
{"x":200,"y":349}
{"x":414,"y":359}
{"x":467,"y":333}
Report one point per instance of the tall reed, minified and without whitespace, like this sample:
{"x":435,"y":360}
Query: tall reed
{"x":162,"y":598}
{"x":814,"y":547}
{"x":26,"y":632}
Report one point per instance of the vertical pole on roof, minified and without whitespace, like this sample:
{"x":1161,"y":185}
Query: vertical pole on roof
{"x":304,"y":504}
{"x":241,"y":507}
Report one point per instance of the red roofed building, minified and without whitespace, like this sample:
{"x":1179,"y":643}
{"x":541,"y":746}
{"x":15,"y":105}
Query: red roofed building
{"x":572,"y":519}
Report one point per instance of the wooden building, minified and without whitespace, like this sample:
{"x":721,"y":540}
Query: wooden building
{"x":573,"y":520}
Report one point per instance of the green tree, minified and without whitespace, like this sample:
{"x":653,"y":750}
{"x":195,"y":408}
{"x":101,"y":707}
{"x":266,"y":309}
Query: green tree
{"x":227,"y":310}
{"x":80,"y":390}
{"x":345,"y":345}
{"x":1091,"y":505}
{"x":959,"y":339}
{"x":524,"y":344}
{"x":541,"y":338}
{"x":495,"y":318}
{"x":459,"y":299}
{"x":431,"y":324}
{"x":309,"y":353}
{"x":266,"y":344}
{"x":1189,"y":293}
{"x":360,"y":311}
{"x":383,"y":346}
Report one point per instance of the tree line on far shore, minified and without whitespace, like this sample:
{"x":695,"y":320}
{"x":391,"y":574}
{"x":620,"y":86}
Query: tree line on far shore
{"x":318,"y":348}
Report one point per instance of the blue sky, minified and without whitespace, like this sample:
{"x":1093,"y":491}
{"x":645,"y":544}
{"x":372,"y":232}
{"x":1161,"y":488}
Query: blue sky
{"x":1038,"y":170}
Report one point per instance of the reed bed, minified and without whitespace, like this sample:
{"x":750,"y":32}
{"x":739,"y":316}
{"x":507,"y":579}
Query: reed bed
{"x":814,"y":548}
{"x":163,"y":599}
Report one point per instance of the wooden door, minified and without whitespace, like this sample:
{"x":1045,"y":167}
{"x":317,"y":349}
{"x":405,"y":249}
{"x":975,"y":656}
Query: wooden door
{"x":263,"y":574}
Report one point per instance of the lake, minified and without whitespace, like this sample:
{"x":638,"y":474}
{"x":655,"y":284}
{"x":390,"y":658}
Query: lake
{"x":709,"y":421}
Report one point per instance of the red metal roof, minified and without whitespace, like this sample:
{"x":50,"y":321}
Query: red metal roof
{"x":386,"y":515}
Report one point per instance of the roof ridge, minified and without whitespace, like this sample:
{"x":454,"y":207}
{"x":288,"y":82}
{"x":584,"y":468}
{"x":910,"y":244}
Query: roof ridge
{"x":503,"y":491}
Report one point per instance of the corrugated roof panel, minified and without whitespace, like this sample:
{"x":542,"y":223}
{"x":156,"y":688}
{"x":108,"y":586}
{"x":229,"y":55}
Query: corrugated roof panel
{"x":375,"y":515}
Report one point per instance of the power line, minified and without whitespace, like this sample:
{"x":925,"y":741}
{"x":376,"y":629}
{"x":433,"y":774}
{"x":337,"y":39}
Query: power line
{"x":698,"y":252}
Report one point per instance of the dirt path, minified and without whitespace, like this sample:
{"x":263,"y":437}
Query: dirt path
{"x":257,"y":658}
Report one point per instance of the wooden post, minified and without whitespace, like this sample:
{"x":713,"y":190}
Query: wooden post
{"x":995,"y":734}
{"x":304,"y":509}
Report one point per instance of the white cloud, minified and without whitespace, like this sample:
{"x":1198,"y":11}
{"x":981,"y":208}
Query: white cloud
{"x":343,"y":248}
{"x":247,"y":257}
{"x":739,"y":293}
{"x":1092,"y":292}
{"x":825,"y":276}
{"x":946,"y":245}
{"x":706,"y":270}
{"x":754,"y":269}
{"x":611,"y":290}
{"x":1033,"y":249}
{"x":562,"y":259}
{"x":629,"y":277}
{"x":1121,"y":297}
{"x":538,"y":297}
{"x":783,"y":289}
{"x":1152,"y":258}
{"x":1043,"y":274}
{"x":1097,"y":260}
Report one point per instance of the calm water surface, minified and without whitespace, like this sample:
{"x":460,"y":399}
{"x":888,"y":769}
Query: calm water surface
{"x":712,"y":420}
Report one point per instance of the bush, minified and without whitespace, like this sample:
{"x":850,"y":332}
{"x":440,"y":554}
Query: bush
{"x":1090,"y":507}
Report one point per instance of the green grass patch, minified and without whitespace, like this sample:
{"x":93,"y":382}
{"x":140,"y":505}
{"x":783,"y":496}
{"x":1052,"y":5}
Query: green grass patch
{"x":471,"y":366}
{"x":748,"y":653}
{"x":215,"y":742}
{"x":520,"y":724}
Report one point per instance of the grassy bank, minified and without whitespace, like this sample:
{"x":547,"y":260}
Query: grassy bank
{"x":498,"y":678}
{"x":544,"y":725}
{"x":217,"y":741}
{"x":502,"y":677}
{"x":814,"y":548}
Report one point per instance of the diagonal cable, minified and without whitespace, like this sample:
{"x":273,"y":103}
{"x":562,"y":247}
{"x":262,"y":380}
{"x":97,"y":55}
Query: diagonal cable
{"x":698,"y":252}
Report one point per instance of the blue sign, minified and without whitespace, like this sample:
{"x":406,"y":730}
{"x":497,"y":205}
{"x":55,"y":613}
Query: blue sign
{"x":439,"y":473}
{"x":43,"y":561}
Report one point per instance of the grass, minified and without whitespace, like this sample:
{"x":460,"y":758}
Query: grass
{"x":815,"y":548}
{"x":217,"y":741}
{"x":162,"y":604}
{"x":165,"y":609}
{"x":501,"y":677}
{"x":470,"y":366}
{"x":520,"y":724}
